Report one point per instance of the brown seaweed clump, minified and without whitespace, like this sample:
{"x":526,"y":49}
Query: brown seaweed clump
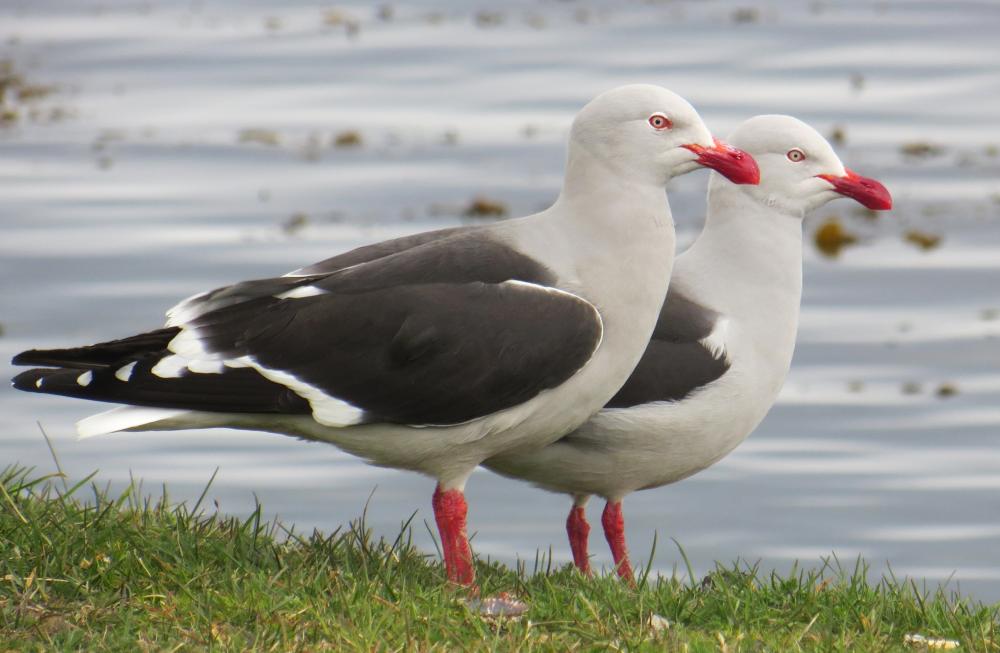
{"x":920,"y":150}
{"x":921,"y":239}
{"x":267,"y":137}
{"x":19,"y":97}
{"x":349,"y":138}
{"x":295,"y":223}
{"x":482,"y":207}
{"x":831,"y":237}
{"x":946,"y":390}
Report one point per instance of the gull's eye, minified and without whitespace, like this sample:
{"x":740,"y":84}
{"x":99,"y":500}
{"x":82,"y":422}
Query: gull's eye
{"x":795,"y":155}
{"x":660,"y":122}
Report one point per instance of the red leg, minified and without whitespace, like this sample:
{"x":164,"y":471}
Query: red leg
{"x":579,"y":530}
{"x":614,"y":529}
{"x":450,"y":511}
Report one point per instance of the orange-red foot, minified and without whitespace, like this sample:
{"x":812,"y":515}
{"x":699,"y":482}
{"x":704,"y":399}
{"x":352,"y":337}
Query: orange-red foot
{"x":579,"y":530}
{"x":614,"y":530}
{"x":450,"y":512}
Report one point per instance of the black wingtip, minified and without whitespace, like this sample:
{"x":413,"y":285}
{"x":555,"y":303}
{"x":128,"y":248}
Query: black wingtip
{"x":24,"y":358}
{"x":103,"y":354}
{"x":29,"y":379}
{"x":76,"y":358}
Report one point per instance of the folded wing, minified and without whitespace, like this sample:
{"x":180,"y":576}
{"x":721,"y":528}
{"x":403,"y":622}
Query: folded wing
{"x":439,"y":333}
{"x":686,"y":353}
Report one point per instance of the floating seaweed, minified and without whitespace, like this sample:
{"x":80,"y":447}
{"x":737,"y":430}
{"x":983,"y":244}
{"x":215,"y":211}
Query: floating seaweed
{"x":20,"y":98}
{"x":921,"y":239}
{"x":337,"y":18}
{"x":921,"y":150}
{"x":260,"y":136}
{"x":482,"y":207}
{"x":489,"y":19}
{"x":946,"y":390}
{"x":348,"y":138}
{"x":831,"y":237}
{"x":746,"y":15}
{"x":295,"y":223}
{"x":838,"y":135}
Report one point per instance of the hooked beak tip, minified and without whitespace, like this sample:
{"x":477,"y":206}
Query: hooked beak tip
{"x":734,"y":164}
{"x":866,"y":191}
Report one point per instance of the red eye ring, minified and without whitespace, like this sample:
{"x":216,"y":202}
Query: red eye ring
{"x":795,"y":155}
{"x":660,"y":122}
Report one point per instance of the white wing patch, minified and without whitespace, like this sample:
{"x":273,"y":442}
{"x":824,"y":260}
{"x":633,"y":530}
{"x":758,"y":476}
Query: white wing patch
{"x":85,"y":378}
{"x":184,"y":311}
{"x":302,"y":272}
{"x":188,"y":344}
{"x":715,"y":342}
{"x":327,"y":410}
{"x":124,"y":373}
{"x":202,"y":366}
{"x":170,"y":367}
{"x":301,"y":292}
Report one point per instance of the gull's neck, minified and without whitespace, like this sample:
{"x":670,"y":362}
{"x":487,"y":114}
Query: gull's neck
{"x":609,"y":239}
{"x":747,"y":264}
{"x":606,"y":189}
{"x":617,"y":230}
{"x":607,"y":223}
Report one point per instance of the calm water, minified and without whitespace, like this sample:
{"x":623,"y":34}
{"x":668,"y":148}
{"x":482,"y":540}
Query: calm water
{"x":132,"y":188}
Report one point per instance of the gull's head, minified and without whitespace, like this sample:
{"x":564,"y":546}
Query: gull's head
{"x":799,"y":169}
{"x":649,"y":134}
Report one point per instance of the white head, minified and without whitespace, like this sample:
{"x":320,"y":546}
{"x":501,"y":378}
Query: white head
{"x":649,"y":134}
{"x":799,"y":169}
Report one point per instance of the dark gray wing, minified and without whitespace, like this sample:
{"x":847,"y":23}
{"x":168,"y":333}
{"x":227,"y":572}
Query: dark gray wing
{"x":420,"y":353}
{"x":100,"y":355}
{"x":375,"y":251}
{"x":446,"y":331}
{"x":443,"y":332}
{"x":677,"y":362}
{"x":451,"y":256}
{"x":114,"y":352}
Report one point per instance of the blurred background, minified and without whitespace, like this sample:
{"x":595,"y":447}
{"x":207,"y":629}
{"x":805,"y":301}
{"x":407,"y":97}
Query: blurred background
{"x":150,"y":150}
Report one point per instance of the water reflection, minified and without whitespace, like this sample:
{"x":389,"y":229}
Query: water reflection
{"x":141,"y":192}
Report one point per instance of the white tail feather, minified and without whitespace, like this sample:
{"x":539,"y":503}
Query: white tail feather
{"x":123,"y":418}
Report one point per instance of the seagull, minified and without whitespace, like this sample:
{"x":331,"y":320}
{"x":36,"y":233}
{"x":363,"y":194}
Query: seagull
{"x":721,"y":347}
{"x":435,"y":351}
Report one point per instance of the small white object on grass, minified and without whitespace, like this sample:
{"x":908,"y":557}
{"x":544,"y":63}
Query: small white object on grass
{"x":501,"y":606}
{"x":658,"y":623}
{"x":936,"y":643}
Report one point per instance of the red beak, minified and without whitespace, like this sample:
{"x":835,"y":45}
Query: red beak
{"x":868,"y":192}
{"x":735,"y":165}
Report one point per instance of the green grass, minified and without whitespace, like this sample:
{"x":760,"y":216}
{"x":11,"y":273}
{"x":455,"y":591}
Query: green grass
{"x":82,"y":570}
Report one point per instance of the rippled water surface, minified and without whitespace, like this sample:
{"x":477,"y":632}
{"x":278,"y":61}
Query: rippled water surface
{"x":172,"y":147}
